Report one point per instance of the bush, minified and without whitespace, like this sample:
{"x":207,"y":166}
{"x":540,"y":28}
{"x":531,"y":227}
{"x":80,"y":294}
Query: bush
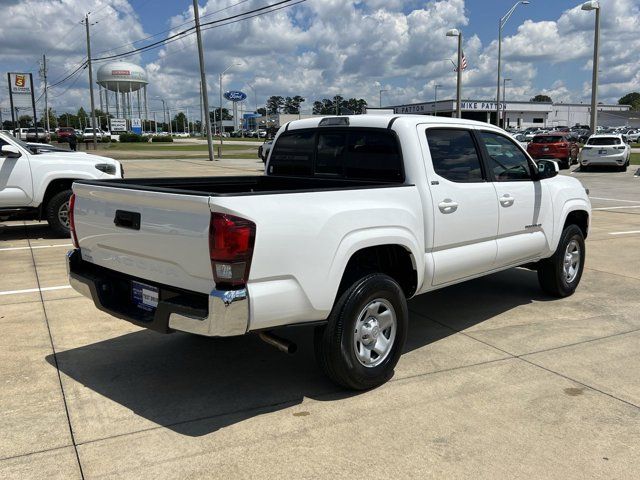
{"x":162,"y":139}
{"x":54,"y":137}
{"x":130,"y":138}
{"x":105,"y":140}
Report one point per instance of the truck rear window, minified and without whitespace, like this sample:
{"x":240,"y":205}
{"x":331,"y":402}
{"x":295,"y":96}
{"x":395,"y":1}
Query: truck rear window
{"x":368,"y":154}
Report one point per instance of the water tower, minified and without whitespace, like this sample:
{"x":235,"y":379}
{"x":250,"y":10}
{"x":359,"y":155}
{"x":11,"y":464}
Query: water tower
{"x":119,"y":82}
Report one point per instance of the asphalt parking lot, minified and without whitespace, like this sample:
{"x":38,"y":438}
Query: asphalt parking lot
{"x":498,"y":380}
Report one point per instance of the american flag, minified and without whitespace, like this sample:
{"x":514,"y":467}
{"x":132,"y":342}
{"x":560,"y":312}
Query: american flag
{"x":464,"y":62}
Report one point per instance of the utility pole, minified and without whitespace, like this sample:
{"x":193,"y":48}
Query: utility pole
{"x":46,"y":96}
{"x":203,"y":79}
{"x":93,"y":104}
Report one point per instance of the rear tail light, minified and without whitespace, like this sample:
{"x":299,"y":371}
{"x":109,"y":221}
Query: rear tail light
{"x":72,"y":220}
{"x":231,"y":241}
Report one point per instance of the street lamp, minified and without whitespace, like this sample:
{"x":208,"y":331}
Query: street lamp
{"x":588,"y":6}
{"x":454,"y":32}
{"x":381,"y":92}
{"x":435,"y":99}
{"x":221,"y":75}
{"x":504,"y":101}
{"x":501,"y":24}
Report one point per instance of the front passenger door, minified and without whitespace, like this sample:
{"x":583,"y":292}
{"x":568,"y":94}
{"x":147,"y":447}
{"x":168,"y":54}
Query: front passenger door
{"x":525,"y":212}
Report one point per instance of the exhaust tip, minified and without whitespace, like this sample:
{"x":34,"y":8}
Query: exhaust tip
{"x":280,"y":343}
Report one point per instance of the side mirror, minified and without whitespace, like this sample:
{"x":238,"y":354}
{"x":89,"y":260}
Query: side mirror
{"x":547,"y":169}
{"x":9,"y":151}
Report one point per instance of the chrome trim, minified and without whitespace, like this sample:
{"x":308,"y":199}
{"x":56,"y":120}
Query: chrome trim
{"x":228,"y":316}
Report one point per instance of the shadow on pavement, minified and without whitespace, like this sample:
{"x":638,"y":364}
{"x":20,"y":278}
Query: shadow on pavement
{"x":195,"y":385}
{"x":28,"y":231}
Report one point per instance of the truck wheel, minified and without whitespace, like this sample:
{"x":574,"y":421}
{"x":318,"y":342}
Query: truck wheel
{"x":560,"y":274}
{"x":57,"y":213}
{"x":365,"y":334}
{"x":565,"y":163}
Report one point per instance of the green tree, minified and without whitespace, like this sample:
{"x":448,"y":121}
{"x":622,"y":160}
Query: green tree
{"x":25,"y":121}
{"x":292,"y":104}
{"x":632,"y":99}
{"x":275,"y":103}
{"x":262,"y":111}
{"x":180,"y":123}
{"x":541,"y":98}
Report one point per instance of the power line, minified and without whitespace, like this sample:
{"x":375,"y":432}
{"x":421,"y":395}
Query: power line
{"x":192,"y":29}
{"x":170,"y":29}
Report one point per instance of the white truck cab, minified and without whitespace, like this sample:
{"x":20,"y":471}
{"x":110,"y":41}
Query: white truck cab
{"x":36,"y":184}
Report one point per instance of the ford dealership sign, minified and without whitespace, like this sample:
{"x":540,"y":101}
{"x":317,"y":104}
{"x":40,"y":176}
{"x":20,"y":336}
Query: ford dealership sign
{"x":235,"y":96}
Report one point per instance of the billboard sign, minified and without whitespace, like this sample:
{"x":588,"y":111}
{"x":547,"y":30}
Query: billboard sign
{"x":118,"y":124}
{"x":136,"y":125}
{"x":235,"y":96}
{"x":20,"y":83}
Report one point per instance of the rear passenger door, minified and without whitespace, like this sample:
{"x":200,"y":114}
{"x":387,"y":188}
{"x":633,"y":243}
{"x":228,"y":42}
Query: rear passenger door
{"x":465,"y":210}
{"x":525,"y":210}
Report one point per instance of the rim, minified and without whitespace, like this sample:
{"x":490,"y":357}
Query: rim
{"x":63,"y":214}
{"x":375,"y":332}
{"x":571,"y":263}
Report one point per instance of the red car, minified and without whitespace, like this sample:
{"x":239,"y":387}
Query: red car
{"x":64,"y":133}
{"x":556,"y":146}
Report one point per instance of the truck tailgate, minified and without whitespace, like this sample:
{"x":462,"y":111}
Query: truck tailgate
{"x":161,"y":237}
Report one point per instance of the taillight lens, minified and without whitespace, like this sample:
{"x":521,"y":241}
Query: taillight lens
{"x":231,"y":241}
{"x":72,"y":221}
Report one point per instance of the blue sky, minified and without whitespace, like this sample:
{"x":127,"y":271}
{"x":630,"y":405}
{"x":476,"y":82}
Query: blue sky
{"x":324,"y":47}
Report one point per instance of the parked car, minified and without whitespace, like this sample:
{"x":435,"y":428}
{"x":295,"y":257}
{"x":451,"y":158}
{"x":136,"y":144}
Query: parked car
{"x":633,"y":136}
{"x":355,"y":215}
{"x":558,"y":146}
{"x":20,"y":133}
{"x":37,"y":184}
{"x":605,"y":150}
{"x":264,"y":149}
{"x":88,"y":134}
{"x":37,"y":135}
{"x":64,"y":133}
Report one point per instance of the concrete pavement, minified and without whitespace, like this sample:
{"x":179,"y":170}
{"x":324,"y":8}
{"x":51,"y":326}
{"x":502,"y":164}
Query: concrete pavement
{"x":497,"y":381}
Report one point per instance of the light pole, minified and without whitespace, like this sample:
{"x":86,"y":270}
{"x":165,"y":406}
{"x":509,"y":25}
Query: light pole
{"x":504,"y":101}
{"x":454,"y":32}
{"x":435,"y":99}
{"x":381,"y":92}
{"x":594,"y":5}
{"x":501,"y":24}
{"x":221,"y":129}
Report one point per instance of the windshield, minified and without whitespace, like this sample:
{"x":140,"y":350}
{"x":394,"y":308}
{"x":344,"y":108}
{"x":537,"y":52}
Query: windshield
{"x":604,"y":141}
{"x":548,"y":139}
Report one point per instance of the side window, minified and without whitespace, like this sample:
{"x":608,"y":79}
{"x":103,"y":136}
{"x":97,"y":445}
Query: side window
{"x":506,"y":160}
{"x":293,"y":154}
{"x":454,"y":155}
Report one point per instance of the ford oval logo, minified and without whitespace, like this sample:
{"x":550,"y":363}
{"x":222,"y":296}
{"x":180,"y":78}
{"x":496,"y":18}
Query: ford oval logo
{"x":235,"y":96}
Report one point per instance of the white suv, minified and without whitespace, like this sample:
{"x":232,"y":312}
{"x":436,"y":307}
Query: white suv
{"x":605,"y":150}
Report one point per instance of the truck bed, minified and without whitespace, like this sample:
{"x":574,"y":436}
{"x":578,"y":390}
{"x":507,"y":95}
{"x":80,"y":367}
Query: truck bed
{"x":240,"y":185}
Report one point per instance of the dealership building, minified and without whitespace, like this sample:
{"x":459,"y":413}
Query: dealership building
{"x":521,"y":114}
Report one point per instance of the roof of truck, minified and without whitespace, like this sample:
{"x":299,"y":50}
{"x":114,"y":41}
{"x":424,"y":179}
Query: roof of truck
{"x":385,"y":121}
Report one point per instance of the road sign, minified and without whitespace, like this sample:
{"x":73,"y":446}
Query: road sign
{"x":136,"y":125}
{"x":118,"y":124}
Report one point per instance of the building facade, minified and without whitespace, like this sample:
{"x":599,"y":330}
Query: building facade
{"x":513,"y":114}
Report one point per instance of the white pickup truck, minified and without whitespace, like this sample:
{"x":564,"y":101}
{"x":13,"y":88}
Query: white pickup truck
{"x":35,"y":180}
{"x":354,"y":216}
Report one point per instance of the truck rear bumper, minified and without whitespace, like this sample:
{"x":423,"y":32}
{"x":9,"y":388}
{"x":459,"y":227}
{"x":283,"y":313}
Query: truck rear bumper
{"x":222,"y":313}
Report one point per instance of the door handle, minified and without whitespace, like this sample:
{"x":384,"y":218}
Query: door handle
{"x":507,"y":200}
{"x":448,"y":206}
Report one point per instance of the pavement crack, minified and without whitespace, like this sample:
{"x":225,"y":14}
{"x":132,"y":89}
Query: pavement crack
{"x":55,"y":355}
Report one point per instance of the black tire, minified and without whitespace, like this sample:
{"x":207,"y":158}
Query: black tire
{"x":565,"y":163}
{"x":623,"y":168}
{"x":551,"y":274}
{"x":584,"y":168}
{"x":335,"y":346}
{"x":52,"y":211}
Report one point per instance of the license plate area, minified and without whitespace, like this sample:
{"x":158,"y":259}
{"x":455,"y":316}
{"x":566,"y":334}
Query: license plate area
{"x":144,"y":296}
{"x":602,"y":152}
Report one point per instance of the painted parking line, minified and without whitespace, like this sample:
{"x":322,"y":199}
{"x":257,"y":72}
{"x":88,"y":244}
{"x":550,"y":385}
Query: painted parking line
{"x":9,"y":249}
{"x":630,"y":232}
{"x":614,"y":200}
{"x":617,"y":208}
{"x":32,"y":290}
